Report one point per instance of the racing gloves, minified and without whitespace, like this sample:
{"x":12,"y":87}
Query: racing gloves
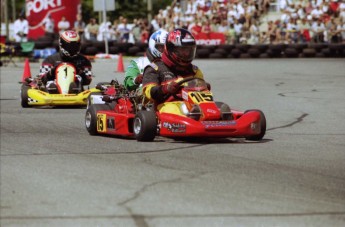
{"x":139,"y":79}
{"x":170,"y":88}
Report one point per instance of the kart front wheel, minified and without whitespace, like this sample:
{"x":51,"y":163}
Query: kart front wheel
{"x":262,"y":127}
{"x":145,"y":125}
{"x":91,"y":117}
{"x":24,"y":96}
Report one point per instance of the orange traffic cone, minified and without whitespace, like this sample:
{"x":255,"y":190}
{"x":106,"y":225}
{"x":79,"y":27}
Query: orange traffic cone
{"x":120,"y":67}
{"x":27,"y":71}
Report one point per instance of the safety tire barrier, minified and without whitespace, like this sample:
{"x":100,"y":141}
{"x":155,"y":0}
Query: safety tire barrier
{"x":305,"y":50}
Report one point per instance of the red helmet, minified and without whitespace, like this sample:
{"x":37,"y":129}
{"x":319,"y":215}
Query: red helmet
{"x":180,"y":47}
{"x":69,"y":42}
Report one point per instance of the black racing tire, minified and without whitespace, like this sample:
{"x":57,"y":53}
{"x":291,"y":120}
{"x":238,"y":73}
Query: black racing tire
{"x":215,"y":55}
{"x":91,"y":50}
{"x":24,"y":98}
{"x":291,"y":52}
{"x":309,"y":52}
{"x":132,"y":51}
{"x":254,"y":52}
{"x":114,"y":50}
{"x":203,"y":53}
{"x":259,"y":136}
{"x":91,"y":117}
{"x":145,"y":126}
{"x":221,"y":51}
{"x":261,"y":47}
{"x":236,"y":53}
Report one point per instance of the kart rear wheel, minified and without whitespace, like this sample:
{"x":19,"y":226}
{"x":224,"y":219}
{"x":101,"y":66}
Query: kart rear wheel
{"x":262,"y":127}
{"x":145,"y":125}
{"x":24,"y":98}
{"x":91,"y":117}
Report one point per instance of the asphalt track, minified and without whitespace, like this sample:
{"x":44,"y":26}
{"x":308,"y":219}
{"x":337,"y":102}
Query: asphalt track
{"x":53,"y":173}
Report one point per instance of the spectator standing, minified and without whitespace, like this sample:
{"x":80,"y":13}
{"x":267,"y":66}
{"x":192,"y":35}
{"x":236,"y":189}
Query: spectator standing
{"x":223,"y":27}
{"x":155,"y":23}
{"x":333,"y":31}
{"x":91,"y":30}
{"x":264,"y":38}
{"x":272,"y":32}
{"x":293,"y":31}
{"x":115,"y":33}
{"x":195,"y":27}
{"x":341,"y":27}
{"x":238,"y":29}
{"x":21,"y":29}
{"x":304,"y":27}
{"x":342,"y":12}
{"x":254,"y":33}
{"x":206,"y":28}
{"x":148,"y":27}
{"x":301,"y":11}
{"x":136,"y":30}
{"x":79,"y":26}
{"x":49,"y":25}
{"x":318,"y":29}
{"x":104,"y":31}
{"x":63,"y":24}
{"x":124,"y":31}
{"x":316,"y":13}
{"x":231,"y":36}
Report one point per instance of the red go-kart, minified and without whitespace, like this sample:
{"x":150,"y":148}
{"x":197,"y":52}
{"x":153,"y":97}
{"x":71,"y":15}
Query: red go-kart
{"x":191,"y":113}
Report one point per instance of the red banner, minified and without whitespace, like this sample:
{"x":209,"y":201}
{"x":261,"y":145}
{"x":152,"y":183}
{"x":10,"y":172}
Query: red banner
{"x":213,"y":38}
{"x":37,"y":11}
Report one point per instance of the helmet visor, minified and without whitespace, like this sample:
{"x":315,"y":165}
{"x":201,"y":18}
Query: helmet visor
{"x":72,"y":48}
{"x":160,"y":47}
{"x":185,"y":53}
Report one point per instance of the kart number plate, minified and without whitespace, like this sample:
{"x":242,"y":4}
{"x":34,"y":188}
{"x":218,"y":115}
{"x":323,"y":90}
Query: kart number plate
{"x":199,"y":97}
{"x":101,"y":122}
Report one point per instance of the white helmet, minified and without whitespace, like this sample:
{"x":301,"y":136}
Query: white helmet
{"x":156,"y":43}
{"x":69,"y":42}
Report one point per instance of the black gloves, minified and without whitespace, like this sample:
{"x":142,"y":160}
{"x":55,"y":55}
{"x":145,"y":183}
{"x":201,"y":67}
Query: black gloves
{"x":139,"y":79}
{"x":170,"y":88}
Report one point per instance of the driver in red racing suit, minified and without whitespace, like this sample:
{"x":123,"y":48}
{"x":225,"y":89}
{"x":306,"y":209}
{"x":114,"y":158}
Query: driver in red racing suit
{"x":69,"y":46}
{"x":159,"y":76}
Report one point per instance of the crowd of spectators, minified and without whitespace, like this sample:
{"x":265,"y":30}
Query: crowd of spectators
{"x":319,"y":21}
{"x":241,"y":21}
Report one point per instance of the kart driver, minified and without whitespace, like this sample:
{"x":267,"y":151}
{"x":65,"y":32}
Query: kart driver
{"x":69,"y":48}
{"x":176,"y":61}
{"x":135,"y":69}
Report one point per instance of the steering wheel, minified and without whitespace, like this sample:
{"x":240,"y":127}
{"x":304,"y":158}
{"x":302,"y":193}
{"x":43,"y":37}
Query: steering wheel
{"x":180,"y":86}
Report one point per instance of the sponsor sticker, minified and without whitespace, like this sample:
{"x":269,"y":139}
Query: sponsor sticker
{"x":111,"y":123}
{"x":210,"y":124}
{"x":175,"y":127}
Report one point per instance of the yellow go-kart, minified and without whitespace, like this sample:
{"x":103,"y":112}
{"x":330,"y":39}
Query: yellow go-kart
{"x":65,"y":92}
